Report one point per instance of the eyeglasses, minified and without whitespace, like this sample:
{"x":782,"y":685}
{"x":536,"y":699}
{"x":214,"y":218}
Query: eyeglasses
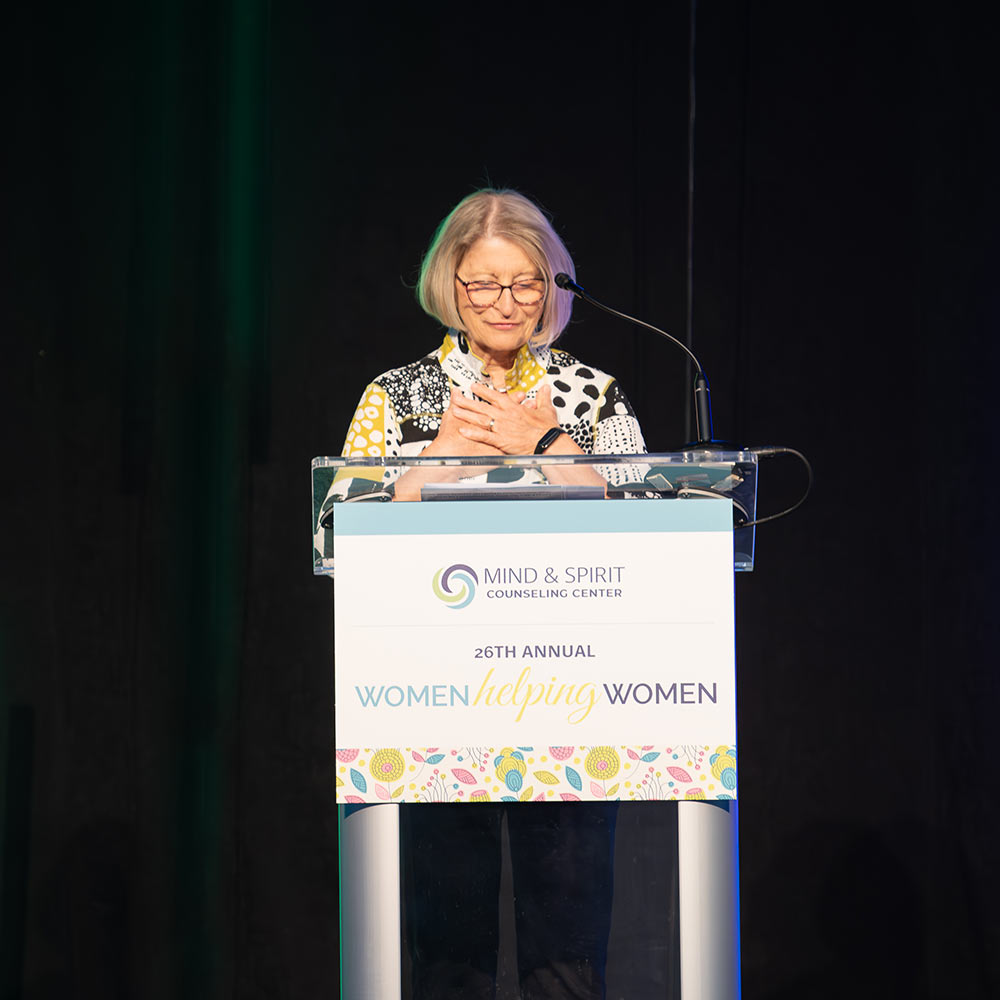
{"x":486,"y":293}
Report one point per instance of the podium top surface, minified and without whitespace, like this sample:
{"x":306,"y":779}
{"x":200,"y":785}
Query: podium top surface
{"x":694,"y":457}
{"x":728,"y":474}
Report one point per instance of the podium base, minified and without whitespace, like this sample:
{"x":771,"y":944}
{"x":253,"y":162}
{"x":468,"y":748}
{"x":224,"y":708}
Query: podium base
{"x":708,"y":901}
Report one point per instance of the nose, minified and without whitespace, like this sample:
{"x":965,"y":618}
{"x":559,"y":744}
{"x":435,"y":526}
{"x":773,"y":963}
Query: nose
{"x":506,"y":304}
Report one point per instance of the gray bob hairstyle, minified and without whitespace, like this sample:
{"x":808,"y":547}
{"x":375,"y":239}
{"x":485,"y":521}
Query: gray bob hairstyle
{"x":508,"y":214}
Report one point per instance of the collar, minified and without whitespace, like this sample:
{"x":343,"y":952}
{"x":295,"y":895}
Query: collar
{"x":464,"y":367}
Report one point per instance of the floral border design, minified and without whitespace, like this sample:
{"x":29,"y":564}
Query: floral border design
{"x":536,"y":774}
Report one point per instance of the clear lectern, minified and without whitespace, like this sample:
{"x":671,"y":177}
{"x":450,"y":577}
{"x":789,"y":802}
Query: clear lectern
{"x":538,"y":630}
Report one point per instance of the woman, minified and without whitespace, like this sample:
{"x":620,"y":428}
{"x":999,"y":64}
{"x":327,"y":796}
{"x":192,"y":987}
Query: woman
{"x":496,"y":386}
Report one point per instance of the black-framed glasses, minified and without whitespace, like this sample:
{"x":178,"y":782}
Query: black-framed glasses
{"x":485,"y":293}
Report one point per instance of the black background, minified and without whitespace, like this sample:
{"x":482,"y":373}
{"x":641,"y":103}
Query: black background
{"x":212,"y":217}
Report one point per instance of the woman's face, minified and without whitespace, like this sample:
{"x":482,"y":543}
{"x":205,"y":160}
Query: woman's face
{"x":497,"y":332}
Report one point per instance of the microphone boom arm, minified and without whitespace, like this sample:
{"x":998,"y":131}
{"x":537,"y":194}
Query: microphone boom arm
{"x":702,"y":393}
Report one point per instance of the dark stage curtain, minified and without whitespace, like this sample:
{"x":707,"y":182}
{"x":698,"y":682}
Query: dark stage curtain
{"x":212,"y":219}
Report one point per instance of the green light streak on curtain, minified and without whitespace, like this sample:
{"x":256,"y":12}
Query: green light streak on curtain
{"x":217,"y":390}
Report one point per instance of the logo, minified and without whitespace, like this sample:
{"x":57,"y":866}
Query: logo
{"x":456,"y":585}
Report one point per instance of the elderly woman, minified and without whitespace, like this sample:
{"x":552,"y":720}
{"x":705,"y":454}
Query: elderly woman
{"x":497,"y":386}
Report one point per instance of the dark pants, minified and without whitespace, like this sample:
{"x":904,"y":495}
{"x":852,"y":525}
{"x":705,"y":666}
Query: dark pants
{"x":561,"y":859}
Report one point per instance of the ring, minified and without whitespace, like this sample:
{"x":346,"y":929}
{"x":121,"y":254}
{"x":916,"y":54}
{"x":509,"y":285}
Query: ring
{"x":492,"y":422}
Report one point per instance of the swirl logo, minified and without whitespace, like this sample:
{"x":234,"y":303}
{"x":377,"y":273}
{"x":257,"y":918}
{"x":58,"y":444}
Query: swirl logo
{"x":456,"y":585}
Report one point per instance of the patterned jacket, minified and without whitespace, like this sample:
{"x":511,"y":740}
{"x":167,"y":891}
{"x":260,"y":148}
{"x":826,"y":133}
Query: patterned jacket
{"x":400,"y":412}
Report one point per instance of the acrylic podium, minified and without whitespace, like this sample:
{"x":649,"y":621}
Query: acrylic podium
{"x":538,"y":629}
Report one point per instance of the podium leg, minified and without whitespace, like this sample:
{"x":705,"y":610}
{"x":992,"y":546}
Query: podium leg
{"x":370,"y":961}
{"x":708,"y":869}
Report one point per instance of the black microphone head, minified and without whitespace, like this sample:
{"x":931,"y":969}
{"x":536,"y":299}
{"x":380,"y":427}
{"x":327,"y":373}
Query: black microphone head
{"x":563,"y":280}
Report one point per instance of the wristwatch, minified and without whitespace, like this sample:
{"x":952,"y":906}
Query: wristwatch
{"x":547,"y":439}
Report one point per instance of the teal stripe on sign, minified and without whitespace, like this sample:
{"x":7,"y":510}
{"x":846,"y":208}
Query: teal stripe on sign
{"x":519,"y":517}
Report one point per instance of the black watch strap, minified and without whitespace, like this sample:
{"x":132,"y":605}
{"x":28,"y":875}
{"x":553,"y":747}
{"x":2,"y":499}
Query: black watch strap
{"x":547,"y":439}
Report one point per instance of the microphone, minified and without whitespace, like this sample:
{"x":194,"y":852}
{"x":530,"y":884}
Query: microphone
{"x":702,"y":393}
{"x":563,"y":280}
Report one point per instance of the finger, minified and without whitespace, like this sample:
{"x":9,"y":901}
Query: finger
{"x":455,"y":402}
{"x":459,"y":399}
{"x":490,"y":395}
{"x":479,"y":417}
{"x":472,"y":403}
{"x":518,"y":397}
{"x":474,"y":433}
{"x":474,"y":422}
{"x":543,"y":400}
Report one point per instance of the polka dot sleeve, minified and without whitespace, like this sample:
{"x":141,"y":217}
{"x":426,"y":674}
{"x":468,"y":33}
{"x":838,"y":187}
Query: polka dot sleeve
{"x":617,"y":431}
{"x":374,"y":431}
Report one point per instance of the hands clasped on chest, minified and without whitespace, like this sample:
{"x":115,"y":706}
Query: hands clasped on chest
{"x":495,"y":423}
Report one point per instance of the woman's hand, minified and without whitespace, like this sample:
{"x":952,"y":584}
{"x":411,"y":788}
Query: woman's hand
{"x":451,"y":441}
{"x":505,"y":421}
{"x":517,"y":426}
